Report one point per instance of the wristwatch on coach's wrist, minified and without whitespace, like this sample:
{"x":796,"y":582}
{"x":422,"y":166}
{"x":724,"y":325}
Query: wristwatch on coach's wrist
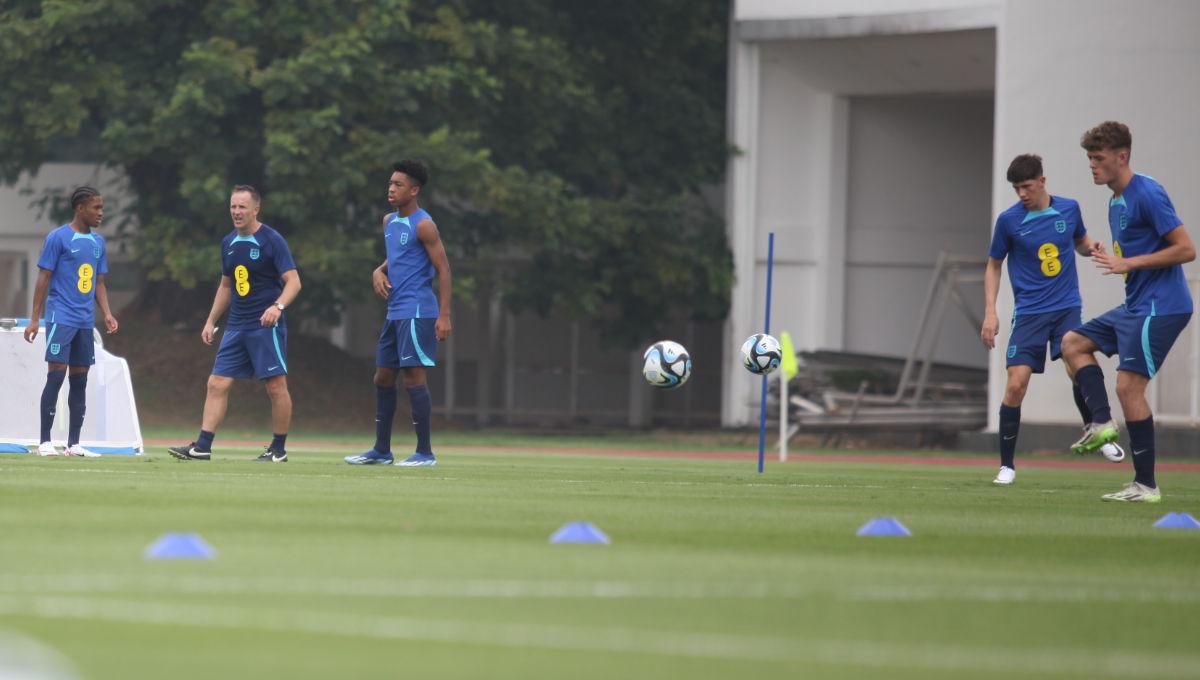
{"x":279,"y":306}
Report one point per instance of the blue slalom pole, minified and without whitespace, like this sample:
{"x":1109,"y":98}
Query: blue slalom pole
{"x":762,"y":403}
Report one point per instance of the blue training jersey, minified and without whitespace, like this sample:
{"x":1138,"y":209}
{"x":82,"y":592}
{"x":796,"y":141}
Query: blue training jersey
{"x":410,"y":270}
{"x":255,"y":263}
{"x":1139,"y":218}
{"x":75,"y":261}
{"x":1041,"y":246}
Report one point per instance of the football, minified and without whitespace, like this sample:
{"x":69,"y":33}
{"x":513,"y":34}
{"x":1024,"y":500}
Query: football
{"x":666,"y":365}
{"x":761,"y":354}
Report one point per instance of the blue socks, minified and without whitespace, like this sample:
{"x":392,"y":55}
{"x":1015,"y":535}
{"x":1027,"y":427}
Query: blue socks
{"x":1010,"y":425}
{"x":385,"y":411}
{"x":422,"y":411}
{"x":54,"y":381}
{"x":1090,"y":380}
{"x":278,"y":442}
{"x":1141,"y":440}
{"x":204,"y":441}
{"x":77,"y":403}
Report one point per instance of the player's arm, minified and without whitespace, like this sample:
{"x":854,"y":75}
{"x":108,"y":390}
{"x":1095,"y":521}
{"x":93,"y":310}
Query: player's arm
{"x":110,"y":321}
{"x":427,"y":232}
{"x":991,"y":289}
{"x":40,"y":291}
{"x":1084,"y":245}
{"x":220,"y":304}
{"x":1179,"y":250}
{"x":379,"y":277}
{"x":291,"y":288}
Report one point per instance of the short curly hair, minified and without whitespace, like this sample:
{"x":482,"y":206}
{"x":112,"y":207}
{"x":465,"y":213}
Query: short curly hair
{"x":1108,"y":135}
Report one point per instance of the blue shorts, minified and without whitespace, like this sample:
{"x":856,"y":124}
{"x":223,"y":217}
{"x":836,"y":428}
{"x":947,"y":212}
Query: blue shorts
{"x":252,"y":353}
{"x":1030,"y":333}
{"x":404,"y":343}
{"x":70,"y":345}
{"x":1140,"y":340}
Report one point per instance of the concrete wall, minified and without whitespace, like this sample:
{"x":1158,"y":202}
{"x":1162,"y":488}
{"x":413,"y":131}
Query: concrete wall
{"x":919,"y":182}
{"x":1063,"y":67}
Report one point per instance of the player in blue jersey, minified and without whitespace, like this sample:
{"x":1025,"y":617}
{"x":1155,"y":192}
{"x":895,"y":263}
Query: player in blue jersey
{"x":1150,"y":246}
{"x":258,"y":281}
{"x":1039,"y":234}
{"x":416,"y":318}
{"x":71,"y":272}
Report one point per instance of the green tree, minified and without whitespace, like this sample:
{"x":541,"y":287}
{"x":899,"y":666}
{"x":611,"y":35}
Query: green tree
{"x":568,"y":143}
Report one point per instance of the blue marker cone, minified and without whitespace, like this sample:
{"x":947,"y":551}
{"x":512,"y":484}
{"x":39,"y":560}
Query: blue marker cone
{"x":579,"y":532}
{"x":1177,"y":520}
{"x":180,"y":547}
{"x":884,"y":526}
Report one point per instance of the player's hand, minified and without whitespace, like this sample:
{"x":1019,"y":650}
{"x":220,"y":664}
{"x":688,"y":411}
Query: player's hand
{"x":31,"y":331}
{"x":991,"y":326}
{"x":208,"y":333}
{"x":1098,"y":247}
{"x":383,"y":287}
{"x":110,"y":324}
{"x":270,"y":317}
{"x":441,"y":327}
{"x":1111,"y":264}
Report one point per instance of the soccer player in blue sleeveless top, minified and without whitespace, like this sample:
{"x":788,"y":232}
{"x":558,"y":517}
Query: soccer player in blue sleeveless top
{"x":1150,"y":246}
{"x":72,"y":268}
{"x":258,"y":281}
{"x":1040,"y":235}
{"x":416,"y":319}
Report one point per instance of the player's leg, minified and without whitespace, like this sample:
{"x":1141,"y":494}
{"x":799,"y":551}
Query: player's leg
{"x":1145,"y":344}
{"x":1010,"y":420}
{"x":83,"y":356}
{"x":417,"y":352}
{"x":56,"y":373}
{"x":267,"y":348}
{"x":387,"y":370}
{"x":1070,"y":320}
{"x":422,"y":412}
{"x":1078,"y":351}
{"x":232,"y":362}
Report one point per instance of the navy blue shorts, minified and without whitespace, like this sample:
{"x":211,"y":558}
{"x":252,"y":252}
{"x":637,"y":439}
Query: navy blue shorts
{"x":71,"y":346}
{"x":404,"y":343}
{"x":252,"y":353}
{"x":1140,"y":340}
{"x":1030,"y":333}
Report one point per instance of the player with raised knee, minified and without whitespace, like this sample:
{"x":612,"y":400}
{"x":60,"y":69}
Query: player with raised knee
{"x":1150,"y":246}
{"x":71,"y":272}
{"x":258,"y":281}
{"x":416,"y":318}
{"x":1037,"y":235}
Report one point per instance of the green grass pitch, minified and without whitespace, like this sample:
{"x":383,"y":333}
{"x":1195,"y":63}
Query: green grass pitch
{"x":330,"y":571}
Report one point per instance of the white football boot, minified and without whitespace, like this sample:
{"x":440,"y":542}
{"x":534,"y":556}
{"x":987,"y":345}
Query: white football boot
{"x":47,"y":449}
{"x":78,"y":450}
{"x":1005,"y":476}
{"x":1113,"y":452}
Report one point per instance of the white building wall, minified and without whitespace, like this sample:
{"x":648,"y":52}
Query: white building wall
{"x":1063,"y":67}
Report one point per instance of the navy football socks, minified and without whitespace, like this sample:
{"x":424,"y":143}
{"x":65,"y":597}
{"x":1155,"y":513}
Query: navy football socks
{"x":204,"y":441}
{"x":1081,"y":404}
{"x":1010,"y":425}
{"x":77,"y":402}
{"x":422,"y":411}
{"x":278,"y":442}
{"x":54,"y":381}
{"x":385,"y":411}
{"x":1091,"y":385}
{"x":1141,"y":440}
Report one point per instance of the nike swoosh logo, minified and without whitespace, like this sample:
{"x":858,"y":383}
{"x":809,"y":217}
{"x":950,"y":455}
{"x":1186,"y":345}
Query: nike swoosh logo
{"x":276,"y":459}
{"x":273,"y":367}
{"x":1026,"y":232}
{"x":229,"y":253}
{"x":1012,"y":437}
{"x":1130,"y":358}
{"x":75,"y":251}
{"x":1136,"y":452}
{"x":407,"y":357}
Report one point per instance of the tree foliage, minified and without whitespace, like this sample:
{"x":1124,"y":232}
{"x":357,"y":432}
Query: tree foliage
{"x":568,"y":142}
